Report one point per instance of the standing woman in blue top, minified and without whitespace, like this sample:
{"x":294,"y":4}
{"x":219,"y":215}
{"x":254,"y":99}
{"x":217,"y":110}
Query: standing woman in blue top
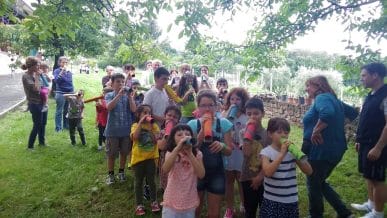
{"x":64,"y":85}
{"x":325,"y":144}
{"x":31,"y":84}
{"x":213,"y":150}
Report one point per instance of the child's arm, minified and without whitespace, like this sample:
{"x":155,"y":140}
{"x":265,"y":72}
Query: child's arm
{"x":197,"y":164}
{"x":132,"y":103}
{"x":247,"y":148}
{"x":305,"y":167}
{"x":162,"y":144}
{"x":137,"y":131}
{"x":257,"y":181}
{"x":269,"y":168}
{"x":112,"y":104}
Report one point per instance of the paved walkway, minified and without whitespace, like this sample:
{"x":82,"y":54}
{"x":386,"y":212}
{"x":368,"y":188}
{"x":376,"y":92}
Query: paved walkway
{"x":11,"y":93}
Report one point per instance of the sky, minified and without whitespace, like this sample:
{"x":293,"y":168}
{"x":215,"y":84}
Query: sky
{"x":327,"y":36}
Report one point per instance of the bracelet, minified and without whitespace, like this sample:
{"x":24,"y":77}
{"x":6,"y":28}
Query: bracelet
{"x":224,"y":146}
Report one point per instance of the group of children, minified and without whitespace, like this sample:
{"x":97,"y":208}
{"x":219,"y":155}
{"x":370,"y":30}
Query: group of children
{"x":194,"y":162}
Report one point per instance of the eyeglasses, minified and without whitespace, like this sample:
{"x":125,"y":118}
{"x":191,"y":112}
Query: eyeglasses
{"x":206,"y":106}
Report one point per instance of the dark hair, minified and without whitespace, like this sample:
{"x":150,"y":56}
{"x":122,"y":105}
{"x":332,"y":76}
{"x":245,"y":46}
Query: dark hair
{"x":173,"y":108}
{"x":160,"y":72}
{"x":136,"y":82}
{"x":322,"y":85}
{"x":204,"y":66}
{"x":375,"y":68}
{"x":278,"y":123}
{"x":129,"y":67}
{"x":139,"y":110}
{"x":117,"y":76}
{"x":208,"y":93}
{"x":255,"y":102}
{"x":173,"y":70}
{"x":221,"y":80}
{"x":30,"y":62}
{"x":171,"y":144}
{"x":182,"y":88}
{"x":241,"y":93}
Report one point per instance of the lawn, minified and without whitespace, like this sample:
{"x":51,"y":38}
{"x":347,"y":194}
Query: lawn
{"x":66,"y":181}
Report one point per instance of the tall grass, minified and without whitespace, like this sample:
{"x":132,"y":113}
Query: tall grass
{"x":69,"y":181}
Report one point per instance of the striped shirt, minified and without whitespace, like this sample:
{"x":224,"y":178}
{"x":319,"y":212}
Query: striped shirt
{"x":282,"y":186}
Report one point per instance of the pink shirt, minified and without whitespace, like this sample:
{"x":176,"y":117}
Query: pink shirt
{"x":181,"y":192}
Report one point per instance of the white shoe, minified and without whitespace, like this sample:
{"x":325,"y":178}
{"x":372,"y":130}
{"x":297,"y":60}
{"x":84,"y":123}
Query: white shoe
{"x":362,"y":207}
{"x":373,"y":214}
{"x":99,"y":148}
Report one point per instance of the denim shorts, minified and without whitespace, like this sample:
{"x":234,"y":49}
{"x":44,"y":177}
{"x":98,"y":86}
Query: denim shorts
{"x":213,"y":183}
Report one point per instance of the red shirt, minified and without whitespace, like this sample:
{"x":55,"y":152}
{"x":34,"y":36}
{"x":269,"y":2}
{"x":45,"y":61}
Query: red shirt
{"x":102,"y":113}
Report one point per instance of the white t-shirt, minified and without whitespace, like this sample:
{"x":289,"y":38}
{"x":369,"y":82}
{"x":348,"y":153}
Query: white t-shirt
{"x":158,"y":100}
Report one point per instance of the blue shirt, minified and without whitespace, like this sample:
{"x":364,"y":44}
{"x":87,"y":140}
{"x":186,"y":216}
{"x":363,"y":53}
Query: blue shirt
{"x":331,"y":111}
{"x":64,"y":82}
{"x":119,"y":118}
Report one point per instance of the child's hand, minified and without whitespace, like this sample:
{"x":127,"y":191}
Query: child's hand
{"x":122,"y":91}
{"x":216,"y":147}
{"x":285,"y":146}
{"x":256,"y":182}
{"x":142,"y":120}
{"x":182,"y":143}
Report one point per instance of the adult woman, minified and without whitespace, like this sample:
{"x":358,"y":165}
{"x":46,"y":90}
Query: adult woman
{"x":32,"y":84}
{"x":324,"y":143}
{"x":64,"y":85}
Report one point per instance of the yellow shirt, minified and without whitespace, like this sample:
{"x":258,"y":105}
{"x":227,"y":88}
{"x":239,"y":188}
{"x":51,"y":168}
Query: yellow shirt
{"x":144,"y":148}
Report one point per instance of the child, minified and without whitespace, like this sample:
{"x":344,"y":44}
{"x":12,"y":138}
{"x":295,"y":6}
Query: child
{"x":75,"y":115}
{"x":120,"y":104}
{"x":213,"y":150}
{"x":101,"y":118}
{"x":235,"y":102}
{"x":172,"y":114}
{"x":144,"y":156}
{"x":45,"y":88}
{"x":279,"y":167}
{"x":221,"y":87}
{"x":184,"y":166}
{"x":252,"y":175}
{"x":187,"y":89}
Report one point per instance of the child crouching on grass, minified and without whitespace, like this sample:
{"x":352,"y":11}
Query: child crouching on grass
{"x":184,"y":165}
{"x":279,"y":167}
{"x":144,"y":156}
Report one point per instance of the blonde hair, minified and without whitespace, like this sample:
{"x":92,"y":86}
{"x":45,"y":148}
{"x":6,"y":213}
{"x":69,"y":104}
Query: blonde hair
{"x":322,"y":85}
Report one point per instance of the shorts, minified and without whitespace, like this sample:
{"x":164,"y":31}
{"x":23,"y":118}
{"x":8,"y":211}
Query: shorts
{"x":213,"y":183}
{"x":170,"y":212}
{"x":115,"y":145}
{"x":372,"y":170}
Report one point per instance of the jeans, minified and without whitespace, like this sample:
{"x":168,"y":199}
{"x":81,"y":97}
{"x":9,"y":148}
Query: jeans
{"x":61,"y":112}
{"x":145,"y":170}
{"x":39,"y":120}
{"x":319,"y":188}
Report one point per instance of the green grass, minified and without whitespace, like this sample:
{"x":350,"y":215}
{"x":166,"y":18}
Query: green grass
{"x":66,"y":181}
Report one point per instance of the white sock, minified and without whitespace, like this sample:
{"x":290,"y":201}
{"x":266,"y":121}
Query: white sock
{"x":378,"y":214}
{"x":371,"y":204}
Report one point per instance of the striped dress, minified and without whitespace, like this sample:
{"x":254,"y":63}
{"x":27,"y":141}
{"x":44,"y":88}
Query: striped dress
{"x":280,"y":195}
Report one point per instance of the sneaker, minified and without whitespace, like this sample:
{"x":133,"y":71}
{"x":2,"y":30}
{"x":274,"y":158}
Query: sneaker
{"x":110,"y":179}
{"x":121,"y":177}
{"x":373,"y":214}
{"x":45,"y":108}
{"x":229,"y":213}
{"x":30,"y":149}
{"x":155,"y":206}
{"x":362,"y":207}
{"x":146,"y":192}
{"x":140,"y":211}
{"x":99,"y":148}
